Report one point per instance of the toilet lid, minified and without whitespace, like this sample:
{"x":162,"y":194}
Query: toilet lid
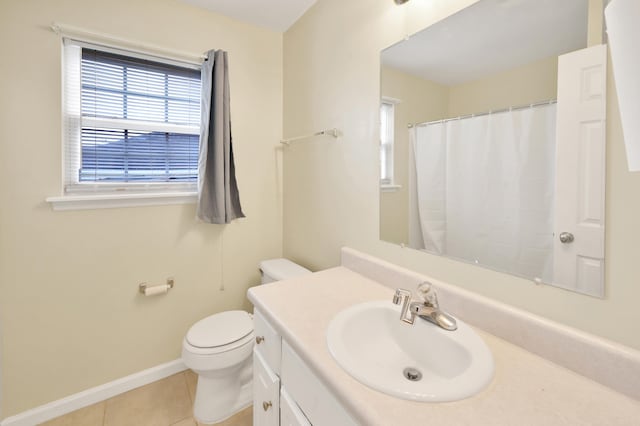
{"x":220,"y":329}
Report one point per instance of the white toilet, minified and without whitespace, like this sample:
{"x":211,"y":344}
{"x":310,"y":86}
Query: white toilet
{"x":218,"y":349}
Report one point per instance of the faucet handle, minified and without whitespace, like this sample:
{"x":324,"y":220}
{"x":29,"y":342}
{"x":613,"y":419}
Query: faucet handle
{"x":400,"y":296}
{"x":403,"y":297}
{"x":427,"y":294}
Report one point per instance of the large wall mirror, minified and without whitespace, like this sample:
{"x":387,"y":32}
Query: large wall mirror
{"x":493,"y":140}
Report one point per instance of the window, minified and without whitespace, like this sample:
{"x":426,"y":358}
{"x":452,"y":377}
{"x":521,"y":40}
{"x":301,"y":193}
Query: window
{"x":132,"y":122}
{"x":386,"y":141}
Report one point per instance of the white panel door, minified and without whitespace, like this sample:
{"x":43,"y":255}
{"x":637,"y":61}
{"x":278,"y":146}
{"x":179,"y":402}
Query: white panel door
{"x":580,"y":171}
{"x":266,"y":393}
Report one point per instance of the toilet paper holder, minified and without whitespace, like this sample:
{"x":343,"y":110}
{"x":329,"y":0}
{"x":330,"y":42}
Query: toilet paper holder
{"x":148,"y":290}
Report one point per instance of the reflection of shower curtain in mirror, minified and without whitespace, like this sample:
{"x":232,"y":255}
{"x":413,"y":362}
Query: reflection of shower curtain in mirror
{"x":485,"y":189}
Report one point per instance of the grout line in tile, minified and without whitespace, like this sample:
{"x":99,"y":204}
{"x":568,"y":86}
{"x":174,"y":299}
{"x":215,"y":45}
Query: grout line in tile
{"x":186,"y":385}
{"x":182,"y":420}
{"x":186,"y":389}
{"x":186,"y":382}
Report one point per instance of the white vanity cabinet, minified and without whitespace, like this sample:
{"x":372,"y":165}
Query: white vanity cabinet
{"x":286,"y":391}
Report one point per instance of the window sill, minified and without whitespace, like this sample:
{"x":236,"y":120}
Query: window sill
{"x":390,"y":187}
{"x":109,"y":201}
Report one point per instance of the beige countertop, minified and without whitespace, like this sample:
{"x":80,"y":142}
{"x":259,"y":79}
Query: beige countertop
{"x":526,"y":389}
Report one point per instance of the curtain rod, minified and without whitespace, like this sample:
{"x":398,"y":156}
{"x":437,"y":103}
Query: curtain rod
{"x":497,"y":111}
{"x":64,"y":30}
{"x":329,"y":132}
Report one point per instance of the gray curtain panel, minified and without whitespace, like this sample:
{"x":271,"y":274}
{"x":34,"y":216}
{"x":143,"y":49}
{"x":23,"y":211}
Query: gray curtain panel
{"x":218,"y":198}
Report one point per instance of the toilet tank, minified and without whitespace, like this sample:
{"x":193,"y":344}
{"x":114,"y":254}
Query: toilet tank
{"x":280,"y":269}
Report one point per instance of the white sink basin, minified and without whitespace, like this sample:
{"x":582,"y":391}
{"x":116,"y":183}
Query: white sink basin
{"x":371,"y":344}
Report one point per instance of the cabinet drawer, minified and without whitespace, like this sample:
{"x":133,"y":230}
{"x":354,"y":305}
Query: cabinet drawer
{"x":266,"y":393}
{"x":268,"y":342}
{"x":313,"y":398}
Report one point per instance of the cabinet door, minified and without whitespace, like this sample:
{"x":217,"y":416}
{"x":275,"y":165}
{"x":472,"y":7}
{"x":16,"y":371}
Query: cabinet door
{"x":317,"y":403}
{"x":266,"y":393}
{"x":290,"y":413}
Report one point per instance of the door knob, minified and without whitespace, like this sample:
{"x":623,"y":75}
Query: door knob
{"x":266,"y":405}
{"x":566,"y":237}
{"x":259,"y":339}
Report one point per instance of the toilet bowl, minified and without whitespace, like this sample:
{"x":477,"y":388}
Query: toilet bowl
{"x":218,"y":349}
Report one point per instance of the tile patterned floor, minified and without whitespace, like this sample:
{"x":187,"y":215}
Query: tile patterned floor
{"x":167,"y":402}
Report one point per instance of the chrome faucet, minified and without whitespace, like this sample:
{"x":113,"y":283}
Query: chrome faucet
{"x":428,"y":309}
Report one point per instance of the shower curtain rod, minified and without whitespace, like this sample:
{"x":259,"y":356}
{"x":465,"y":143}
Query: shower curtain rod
{"x":513,"y":108}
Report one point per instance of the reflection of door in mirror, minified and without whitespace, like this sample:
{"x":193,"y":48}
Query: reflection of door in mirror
{"x":579,"y":208}
{"x":475,"y":173}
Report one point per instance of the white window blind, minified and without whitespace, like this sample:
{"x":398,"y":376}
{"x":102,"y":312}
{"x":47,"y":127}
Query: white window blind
{"x":386,"y":142}
{"x":131,"y":122}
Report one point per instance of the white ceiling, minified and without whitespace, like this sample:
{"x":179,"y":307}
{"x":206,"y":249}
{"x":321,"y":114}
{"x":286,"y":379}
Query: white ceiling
{"x":491,"y":36}
{"x":277,"y":15}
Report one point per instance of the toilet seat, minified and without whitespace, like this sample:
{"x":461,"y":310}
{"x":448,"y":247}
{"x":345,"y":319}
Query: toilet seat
{"x":220,"y":332}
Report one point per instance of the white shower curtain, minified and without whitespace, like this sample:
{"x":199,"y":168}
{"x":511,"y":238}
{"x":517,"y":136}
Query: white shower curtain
{"x":485,"y":189}
{"x":430,"y":159}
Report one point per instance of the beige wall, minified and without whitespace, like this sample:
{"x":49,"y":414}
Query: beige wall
{"x":69,"y":309}
{"x":332,"y":76}
{"x":419,"y":100}
{"x":523,"y":85}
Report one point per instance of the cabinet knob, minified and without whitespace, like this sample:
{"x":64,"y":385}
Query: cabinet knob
{"x":266,"y":405}
{"x":259,"y":339}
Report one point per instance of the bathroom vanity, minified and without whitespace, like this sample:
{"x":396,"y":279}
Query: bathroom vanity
{"x":297,"y":381}
{"x":286,"y":391}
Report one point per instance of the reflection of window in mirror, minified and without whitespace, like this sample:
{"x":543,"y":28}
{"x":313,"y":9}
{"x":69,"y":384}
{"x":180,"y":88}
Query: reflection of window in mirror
{"x":387,"y":110}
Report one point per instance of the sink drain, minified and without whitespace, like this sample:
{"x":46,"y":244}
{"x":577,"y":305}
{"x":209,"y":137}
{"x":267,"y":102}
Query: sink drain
{"x":412,"y":374}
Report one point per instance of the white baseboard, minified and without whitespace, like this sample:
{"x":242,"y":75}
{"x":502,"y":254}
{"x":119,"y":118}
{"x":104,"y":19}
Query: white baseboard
{"x":91,"y":396}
